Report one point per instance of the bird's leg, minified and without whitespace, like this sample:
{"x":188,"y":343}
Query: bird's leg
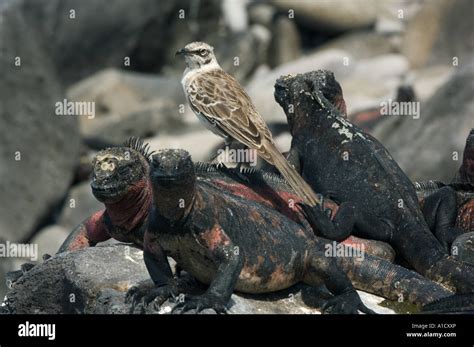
{"x":215,"y":159}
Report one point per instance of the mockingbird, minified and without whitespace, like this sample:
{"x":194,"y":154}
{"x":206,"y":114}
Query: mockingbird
{"x":225,"y":108}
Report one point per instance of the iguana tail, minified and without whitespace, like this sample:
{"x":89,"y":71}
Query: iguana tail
{"x":380,"y":277}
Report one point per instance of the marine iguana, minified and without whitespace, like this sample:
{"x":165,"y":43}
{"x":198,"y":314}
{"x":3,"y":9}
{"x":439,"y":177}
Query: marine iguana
{"x":449,"y":208}
{"x":120,"y":182}
{"x":373,"y":275}
{"x":235,"y":243}
{"x":342,"y":162}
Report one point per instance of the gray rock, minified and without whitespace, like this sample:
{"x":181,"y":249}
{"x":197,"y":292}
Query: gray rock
{"x":95,"y":280}
{"x":49,"y":239}
{"x":79,"y":205}
{"x":77,"y":282}
{"x":463,"y":247}
{"x":335,"y":15}
{"x":423,"y":30}
{"x":92,"y":41}
{"x":286,"y":42}
{"x":240,"y":53}
{"x":425,"y":148}
{"x":261,"y":87}
{"x":361,"y":44}
{"x":261,"y":13}
{"x":235,"y":14}
{"x":392,"y":16}
{"x":39,"y":148}
{"x":426,"y":81}
{"x":365,"y":83}
{"x":456,"y":36}
{"x":373,"y":80}
{"x":129,"y":104}
{"x":198,"y":143}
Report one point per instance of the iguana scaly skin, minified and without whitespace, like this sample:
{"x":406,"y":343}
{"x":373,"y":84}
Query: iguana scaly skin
{"x":120,"y":182}
{"x":235,"y":243}
{"x":373,"y":275}
{"x":342,"y":162}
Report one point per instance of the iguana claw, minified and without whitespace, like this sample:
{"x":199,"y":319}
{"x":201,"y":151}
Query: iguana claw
{"x":347,"y":303}
{"x":200,"y":303}
{"x":142,"y":294}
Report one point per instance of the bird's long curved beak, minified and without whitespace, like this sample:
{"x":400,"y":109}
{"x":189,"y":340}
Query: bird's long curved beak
{"x":182,"y":51}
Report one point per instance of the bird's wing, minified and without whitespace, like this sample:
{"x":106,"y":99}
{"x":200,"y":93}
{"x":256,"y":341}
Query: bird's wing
{"x":220,"y":98}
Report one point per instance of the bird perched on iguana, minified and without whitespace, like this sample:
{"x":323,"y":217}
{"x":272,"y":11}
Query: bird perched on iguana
{"x":232,"y":243}
{"x":261,"y":187}
{"x":223,"y":106}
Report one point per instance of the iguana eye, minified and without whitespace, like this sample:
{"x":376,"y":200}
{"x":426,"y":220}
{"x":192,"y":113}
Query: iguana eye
{"x":203,"y":52}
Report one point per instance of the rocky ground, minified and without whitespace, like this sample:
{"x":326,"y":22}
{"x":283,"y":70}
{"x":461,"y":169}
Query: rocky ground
{"x":95,"y":280}
{"x":123,"y":61}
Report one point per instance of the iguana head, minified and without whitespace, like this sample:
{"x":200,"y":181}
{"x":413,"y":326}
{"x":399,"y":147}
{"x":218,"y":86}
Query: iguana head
{"x":117,"y":170}
{"x":466,"y":171}
{"x":321,"y":82}
{"x":173,"y":180}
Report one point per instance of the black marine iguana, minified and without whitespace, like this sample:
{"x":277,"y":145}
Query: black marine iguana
{"x":449,"y":208}
{"x":233,"y":243}
{"x":342,"y":162}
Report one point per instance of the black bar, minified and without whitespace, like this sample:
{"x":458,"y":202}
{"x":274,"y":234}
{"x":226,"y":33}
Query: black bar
{"x":229,"y":329}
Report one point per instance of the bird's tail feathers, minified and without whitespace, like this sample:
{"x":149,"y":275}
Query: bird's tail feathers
{"x":294,"y":179}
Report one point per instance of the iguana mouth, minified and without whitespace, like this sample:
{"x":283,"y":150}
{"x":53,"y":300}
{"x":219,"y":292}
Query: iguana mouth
{"x":171,"y":166}
{"x":107,"y":194}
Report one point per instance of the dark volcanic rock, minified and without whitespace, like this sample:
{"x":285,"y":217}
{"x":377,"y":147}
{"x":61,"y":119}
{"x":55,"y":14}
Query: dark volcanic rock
{"x":463,"y":247}
{"x":39,"y":148}
{"x":78,"y":282}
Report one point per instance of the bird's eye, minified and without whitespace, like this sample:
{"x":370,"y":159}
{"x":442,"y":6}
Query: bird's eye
{"x":203,"y":52}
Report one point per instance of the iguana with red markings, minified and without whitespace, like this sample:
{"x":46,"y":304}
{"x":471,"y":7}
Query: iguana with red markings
{"x":120,"y":182}
{"x":268,"y":189}
{"x":231,"y":242}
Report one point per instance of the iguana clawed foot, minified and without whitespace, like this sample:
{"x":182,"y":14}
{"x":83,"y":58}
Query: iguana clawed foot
{"x":200,"y":303}
{"x":347,"y":303}
{"x":144,"y":293}
{"x":319,"y":218}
